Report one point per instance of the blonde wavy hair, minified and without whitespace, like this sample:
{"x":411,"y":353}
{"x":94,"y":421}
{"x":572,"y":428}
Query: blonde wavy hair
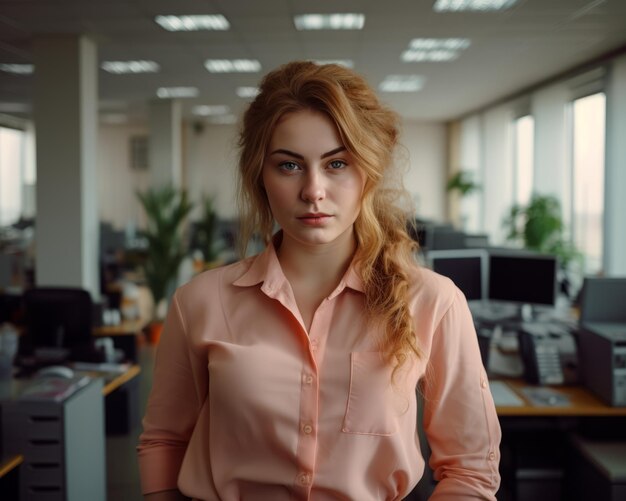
{"x":369,"y":131}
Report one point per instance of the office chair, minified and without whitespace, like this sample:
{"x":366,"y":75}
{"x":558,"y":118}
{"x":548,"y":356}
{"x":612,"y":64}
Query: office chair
{"x":58,"y":325}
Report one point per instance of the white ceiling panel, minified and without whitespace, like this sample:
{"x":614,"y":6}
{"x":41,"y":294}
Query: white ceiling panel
{"x":510,"y":50}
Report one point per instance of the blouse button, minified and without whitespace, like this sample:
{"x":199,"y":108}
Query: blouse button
{"x":307,"y":429}
{"x":304,"y":479}
{"x":483,"y":383}
{"x":307,"y":378}
{"x":492,"y":456}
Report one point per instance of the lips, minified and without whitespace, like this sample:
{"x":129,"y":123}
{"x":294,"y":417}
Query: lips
{"x":314,"y":218}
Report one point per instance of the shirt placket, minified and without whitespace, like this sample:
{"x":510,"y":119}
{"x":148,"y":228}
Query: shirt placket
{"x":309,"y":401}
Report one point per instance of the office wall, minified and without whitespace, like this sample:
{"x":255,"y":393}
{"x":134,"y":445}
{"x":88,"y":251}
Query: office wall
{"x":117,"y":180}
{"x":425,"y":178}
{"x":210,"y":165}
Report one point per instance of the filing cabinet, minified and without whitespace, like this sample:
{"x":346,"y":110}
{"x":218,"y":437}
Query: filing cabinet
{"x":62,"y":441}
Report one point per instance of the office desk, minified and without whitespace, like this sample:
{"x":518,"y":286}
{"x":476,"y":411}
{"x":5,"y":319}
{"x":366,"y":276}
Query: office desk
{"x":9,"y":463}
{"x":122,"y":406}
{"x":9,"y":475}
{"x":125,"y":336}
{"x":121,"y":393}
{"x":536,"y":463}
{"x":115,"y":381}
{"x":582,"y":403}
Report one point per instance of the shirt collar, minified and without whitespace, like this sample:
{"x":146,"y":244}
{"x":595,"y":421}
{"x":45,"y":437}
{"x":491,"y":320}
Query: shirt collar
{"x":266,"y":268}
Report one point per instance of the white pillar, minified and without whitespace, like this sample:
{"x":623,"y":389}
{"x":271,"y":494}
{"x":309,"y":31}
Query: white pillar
{"x":65,"y":110}
{"x":615,"y":177}
{"x":165,"y":143}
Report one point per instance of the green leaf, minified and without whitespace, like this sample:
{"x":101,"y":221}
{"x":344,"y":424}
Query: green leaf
{"x":166,"y":209}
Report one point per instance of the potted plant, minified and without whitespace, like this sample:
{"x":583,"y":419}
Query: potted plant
{"x":539,"y":226}
{"x":206,"y":239}
{"x":166,"y":208}
{"x":462,"y":183}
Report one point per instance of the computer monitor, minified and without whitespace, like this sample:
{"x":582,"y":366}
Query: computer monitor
{"x":467,"y":268}
{"x":602,"y":300}
{"x":58,"y":324}
{"x":523,"y":278}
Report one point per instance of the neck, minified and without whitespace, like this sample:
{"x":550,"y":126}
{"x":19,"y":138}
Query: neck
{"x":317,"y":264}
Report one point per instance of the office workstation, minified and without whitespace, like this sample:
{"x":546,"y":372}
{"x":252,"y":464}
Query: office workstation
{"x":509,"y":110}
{"x":60,"y":398}
{"x":556,"y":369}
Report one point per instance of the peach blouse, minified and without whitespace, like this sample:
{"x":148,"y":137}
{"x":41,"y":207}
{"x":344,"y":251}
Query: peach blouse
{"x":248,"y":405}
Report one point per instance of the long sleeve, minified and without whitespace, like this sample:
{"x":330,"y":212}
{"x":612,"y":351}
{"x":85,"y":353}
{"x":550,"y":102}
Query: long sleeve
{"x":460,"y":420}
{"x":173,"y":406}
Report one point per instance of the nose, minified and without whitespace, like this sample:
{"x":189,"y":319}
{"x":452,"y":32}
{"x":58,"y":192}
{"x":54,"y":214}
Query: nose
{"x":313,"y":188}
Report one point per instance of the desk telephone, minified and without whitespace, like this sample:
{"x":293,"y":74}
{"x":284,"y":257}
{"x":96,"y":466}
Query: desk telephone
{"x":549,"y":353}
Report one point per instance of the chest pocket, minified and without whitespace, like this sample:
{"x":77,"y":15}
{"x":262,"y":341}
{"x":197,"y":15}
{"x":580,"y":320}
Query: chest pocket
{"x":372,"y":401}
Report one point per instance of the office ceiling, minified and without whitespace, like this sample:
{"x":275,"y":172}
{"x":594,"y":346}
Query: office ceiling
{"x":510,"y":50}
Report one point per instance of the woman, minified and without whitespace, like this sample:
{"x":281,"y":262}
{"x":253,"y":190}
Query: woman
{"x":292,"y":374}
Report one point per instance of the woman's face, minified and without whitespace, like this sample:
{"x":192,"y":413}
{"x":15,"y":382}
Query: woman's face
{"x":312,"y":183}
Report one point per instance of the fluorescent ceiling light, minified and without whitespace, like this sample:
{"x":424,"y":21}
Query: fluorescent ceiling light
{"x":215,"y":22}
{"x":439,"y":43}
{"x":124,"y":67}
{"x":348,"y":63}
{"x":418,"y":56}
{"x":402,"y":83}
{"x":472,"y":5}
{"x":174,"y":92}
{"x":232,"y":65}
{"x":247,"y":92}
{"x":205,"y":110}
{"x":434,"y":49}
{"x":223,"y":119}
{"x":329,"y":21}
{"x":17,"y":69}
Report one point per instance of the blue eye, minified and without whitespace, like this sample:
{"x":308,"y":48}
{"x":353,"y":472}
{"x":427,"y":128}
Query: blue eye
{"x":289,"y":166}
{"x":337,"y":164}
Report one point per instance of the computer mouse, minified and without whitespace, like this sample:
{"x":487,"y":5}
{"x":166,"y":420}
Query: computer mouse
{"x":60,"y":371}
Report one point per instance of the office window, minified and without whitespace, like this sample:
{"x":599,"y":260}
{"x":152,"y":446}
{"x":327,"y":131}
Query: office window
{"x":11,"y":172}
{"x":588,"y":178}
{"x":523,"y":151}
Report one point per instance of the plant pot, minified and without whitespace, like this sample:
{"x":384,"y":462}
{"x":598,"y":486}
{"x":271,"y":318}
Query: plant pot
{"x":154,"y":332}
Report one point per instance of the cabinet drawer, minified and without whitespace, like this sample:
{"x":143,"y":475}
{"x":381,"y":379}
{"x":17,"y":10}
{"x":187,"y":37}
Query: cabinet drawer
{"x":43,"y":451}
{"x":42,"y":427}
{"x":43,"y":474}
{"x":42,"y":493}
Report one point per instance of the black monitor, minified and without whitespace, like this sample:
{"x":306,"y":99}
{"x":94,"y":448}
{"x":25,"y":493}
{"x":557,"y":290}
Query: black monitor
{"x":523,"y":278}
{"x":58,"y":324}
{"x":467,"y":268}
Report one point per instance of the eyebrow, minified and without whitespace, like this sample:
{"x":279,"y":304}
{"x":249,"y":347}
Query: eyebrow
{"x":297,"y":155}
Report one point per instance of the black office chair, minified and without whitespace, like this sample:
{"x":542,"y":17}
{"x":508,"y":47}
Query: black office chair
{"x":58,"y":324}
